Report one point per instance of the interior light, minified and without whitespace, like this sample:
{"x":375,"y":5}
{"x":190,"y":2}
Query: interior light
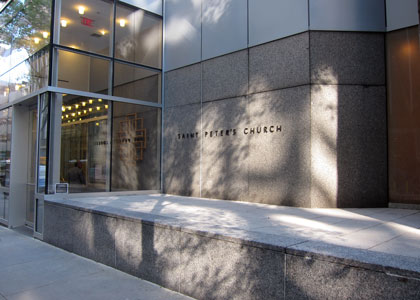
{"x":103,"y":32}
{"x":100,"y":100}
{"x":17,"y":87}
{"x":122,"y":22}
{"x":81,"y":10}
{"x":90,"y":108}
{"x":98,"y":108}
{"x":106,"y":106}
{"x":63,"y":23}
{"x":63,"y":108}
{"x":80,"y":119}
{"x":62,"y":117}
{"x":76,"y":105}
{"x":36,"y":40}
{"x":79,"y":113}
{"x":97,"y":124}
{"x":45,"y":34}
{"x":73,"y":114}
{"x":90,"y":101}
{"x":69,"y":107}
{"x":83,"y":103}
{"x":68,"y":121}
{"x":67,"y":116}
{"x":84,"y":111}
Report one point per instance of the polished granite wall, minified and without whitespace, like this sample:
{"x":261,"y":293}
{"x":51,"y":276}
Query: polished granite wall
{"x":300,"y":121}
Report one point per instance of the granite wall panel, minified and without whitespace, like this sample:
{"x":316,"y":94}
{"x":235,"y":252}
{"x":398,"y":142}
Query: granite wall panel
{"x":183,"y":86}
{"x":225,"y":76}
{"x":217,"y":269}
{"x":279,"y":64}
{"x":279,"y":160}
{"x":308,"y":278}
{"x":347,"y":58}
{"x":225,"y":149}
{"x":181,"y":150}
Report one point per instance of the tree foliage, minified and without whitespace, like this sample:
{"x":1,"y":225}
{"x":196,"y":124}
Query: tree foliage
{"x":22,"y":21}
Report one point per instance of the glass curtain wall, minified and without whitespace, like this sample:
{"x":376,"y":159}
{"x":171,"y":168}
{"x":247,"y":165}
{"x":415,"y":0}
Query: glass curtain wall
{"x":24,"y":38}
{"x":92,"y":161}
{"x":5,"y":147}
{"x":109,"y":48}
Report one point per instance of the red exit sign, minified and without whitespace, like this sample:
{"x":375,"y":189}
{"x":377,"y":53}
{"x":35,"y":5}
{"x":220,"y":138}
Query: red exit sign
{"x":87,"y":22}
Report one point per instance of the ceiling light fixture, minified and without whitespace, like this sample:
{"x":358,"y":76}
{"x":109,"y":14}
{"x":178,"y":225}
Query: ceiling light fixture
{"x":81,"y":10}
{"x":122,"y":22}
{"x":63,"y":23}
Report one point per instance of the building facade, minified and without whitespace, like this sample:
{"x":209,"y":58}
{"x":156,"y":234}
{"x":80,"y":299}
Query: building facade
{"x":301,"y":103}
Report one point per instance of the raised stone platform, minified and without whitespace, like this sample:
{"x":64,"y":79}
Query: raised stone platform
{"x":213,"y":249}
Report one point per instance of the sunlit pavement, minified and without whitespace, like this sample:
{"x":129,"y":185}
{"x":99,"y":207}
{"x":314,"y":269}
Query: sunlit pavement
{"x":31,"y":269}
{"x":329,"y":231}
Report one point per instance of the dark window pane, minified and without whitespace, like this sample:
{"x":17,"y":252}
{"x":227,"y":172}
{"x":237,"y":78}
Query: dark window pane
{"x":82,"y":72}
{"x":84,"y":144}
{"x":136,"y":147}
{"x":136,"y":83}
{"x":138,"y":36}
{"x":86,"y":25}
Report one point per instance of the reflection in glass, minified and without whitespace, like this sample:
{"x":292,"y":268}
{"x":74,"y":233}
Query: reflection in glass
{"x":138,"y":36}
{"x":135,"y":147}
{"x":4,"y":88}
{"x":136,"y":83}
{"x":82,"y":72}
{"x":43,"y":143}
{"x":84,"y":143}
{"x":30,"y":183}
{"x":4,"y":205}
{"x":403,"y":63}
{"x":29,"y":76}
{"x":24,"y":29}
{"x":5,"y":146}
{"x":86,"y":25}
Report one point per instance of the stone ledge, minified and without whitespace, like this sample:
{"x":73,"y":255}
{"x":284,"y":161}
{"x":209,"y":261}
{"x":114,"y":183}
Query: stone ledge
{"x":192,"y":259}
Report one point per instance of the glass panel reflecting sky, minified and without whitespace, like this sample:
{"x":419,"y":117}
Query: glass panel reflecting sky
{"x":24,"y":29}
{"x":138,"y":36}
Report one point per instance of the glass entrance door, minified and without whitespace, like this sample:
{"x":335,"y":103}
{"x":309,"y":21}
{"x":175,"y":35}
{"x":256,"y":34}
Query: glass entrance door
{"x":31,"y":182}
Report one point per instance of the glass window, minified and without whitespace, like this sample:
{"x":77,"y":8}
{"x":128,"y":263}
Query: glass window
{"x":43,"y":143}
{"x":403,"y":115}
{"x":135,"y":147}
{"x":29,"y":76}
{"x":84,"y":144}
{"x":86,"y":25}
{"x":136,"y":83}
{"x":4,"y":88}
{"x":24,"y":29}
{"x":5,"y":146}
{"x":138,"y":36}
{"x":82,"y":72}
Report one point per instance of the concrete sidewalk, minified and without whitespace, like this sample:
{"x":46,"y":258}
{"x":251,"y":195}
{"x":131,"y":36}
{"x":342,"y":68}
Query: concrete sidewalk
{"x":31,"y":269}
